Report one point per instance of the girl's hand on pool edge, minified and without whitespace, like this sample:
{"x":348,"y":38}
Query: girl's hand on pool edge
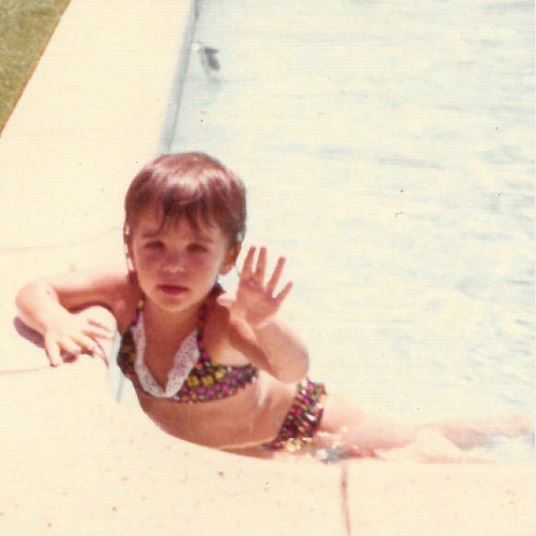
{"x":256,"y":300}
{"x":74,"y":335}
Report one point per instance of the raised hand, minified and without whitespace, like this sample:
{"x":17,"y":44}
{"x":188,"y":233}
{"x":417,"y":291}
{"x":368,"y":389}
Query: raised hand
{"x":75,"y":334}
{"x":256,"y":299}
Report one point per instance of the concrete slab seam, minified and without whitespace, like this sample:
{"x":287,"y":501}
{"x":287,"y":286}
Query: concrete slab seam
{"x":345,"y":501}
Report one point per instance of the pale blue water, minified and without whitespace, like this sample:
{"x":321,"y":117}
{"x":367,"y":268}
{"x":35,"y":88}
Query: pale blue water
{"x":387,"y":151}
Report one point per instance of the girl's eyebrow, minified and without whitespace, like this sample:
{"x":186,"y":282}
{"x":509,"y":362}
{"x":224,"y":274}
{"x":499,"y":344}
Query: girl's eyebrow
{"x":150,"y":233}
{"x":196,"y":235}
{"x":200,"y":237}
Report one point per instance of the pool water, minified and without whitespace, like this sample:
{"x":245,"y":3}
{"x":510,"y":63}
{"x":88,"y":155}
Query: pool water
{"x":387,"y":152}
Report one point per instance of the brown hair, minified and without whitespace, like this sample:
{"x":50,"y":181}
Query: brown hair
{"x":194,"y":186}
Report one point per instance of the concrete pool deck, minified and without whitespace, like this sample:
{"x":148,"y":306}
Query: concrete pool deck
{"x":72,"y":459}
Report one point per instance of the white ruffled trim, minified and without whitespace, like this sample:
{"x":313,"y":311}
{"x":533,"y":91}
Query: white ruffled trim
{"x":183,"y":362}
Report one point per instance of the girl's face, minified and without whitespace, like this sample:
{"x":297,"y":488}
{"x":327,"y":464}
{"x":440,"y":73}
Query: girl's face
{"x":176,"y":264}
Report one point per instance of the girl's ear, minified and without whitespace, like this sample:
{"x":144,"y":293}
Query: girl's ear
{"x":128,"y":257}
{"x":127,"y":241}
{"x":230,"y":260}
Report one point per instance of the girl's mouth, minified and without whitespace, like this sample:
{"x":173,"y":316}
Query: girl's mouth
{"x":172,"y":289}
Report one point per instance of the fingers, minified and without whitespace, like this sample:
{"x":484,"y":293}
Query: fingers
{"x":270,"y":287}
{"x":80,"y":333}
{"x":281,"y":297}
{"x":93,"y":336}
{"x":52,"y":350}
{"x":258,"y":273}
{"x":274,"y":280}
{"x":86,"y":344}
{"x":100,"y":329}
{"x":260,"y":270}
{"x":69,"y":346}
{"x":97,"y":331}
{"x":96,"y":346}
{"x":74,"y":345}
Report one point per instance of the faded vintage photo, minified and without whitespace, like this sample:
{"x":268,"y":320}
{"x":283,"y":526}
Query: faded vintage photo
{"x":269,"y":268}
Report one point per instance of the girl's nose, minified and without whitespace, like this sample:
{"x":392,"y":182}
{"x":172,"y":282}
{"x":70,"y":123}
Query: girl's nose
{"x":174,"y":262}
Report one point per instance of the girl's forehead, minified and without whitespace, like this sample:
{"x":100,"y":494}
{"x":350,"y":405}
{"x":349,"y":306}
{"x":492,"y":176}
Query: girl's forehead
{"x":151,"y":222}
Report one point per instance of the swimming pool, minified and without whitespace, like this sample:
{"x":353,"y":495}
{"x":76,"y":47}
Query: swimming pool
{"x":387,"y":151}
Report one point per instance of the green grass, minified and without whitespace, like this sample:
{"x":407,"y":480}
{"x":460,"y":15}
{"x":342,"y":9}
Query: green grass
{"x":25,"y":29}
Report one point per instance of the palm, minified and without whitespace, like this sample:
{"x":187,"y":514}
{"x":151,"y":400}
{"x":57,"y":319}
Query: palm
{"x":256,"y":299}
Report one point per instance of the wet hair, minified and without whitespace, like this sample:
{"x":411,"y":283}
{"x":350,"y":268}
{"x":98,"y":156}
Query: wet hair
{"x":194,"y":186}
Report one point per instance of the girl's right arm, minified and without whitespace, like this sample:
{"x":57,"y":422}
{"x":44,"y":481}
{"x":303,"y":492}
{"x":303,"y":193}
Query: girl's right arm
{"x":47,"y":305}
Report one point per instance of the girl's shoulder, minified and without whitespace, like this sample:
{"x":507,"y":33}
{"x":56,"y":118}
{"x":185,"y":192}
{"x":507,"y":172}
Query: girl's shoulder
{"x":123,"y":295}
{"x":113,"y":287}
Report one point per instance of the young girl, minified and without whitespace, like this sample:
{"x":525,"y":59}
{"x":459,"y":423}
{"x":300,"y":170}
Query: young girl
{"x":213,"y":369}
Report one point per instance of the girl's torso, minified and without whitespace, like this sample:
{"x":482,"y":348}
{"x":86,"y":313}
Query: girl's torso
{"x":247,"y":410}
{"x":250,"y":417}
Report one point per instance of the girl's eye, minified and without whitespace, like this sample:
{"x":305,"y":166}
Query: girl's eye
{"x":154,"y":244}
{"x":197,"y":248}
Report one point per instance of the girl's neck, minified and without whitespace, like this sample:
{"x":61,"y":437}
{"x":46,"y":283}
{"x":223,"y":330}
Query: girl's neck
{"x":170,"y":324}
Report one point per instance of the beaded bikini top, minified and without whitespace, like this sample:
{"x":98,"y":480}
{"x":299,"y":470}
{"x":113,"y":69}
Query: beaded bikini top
{"x":193,"y":376}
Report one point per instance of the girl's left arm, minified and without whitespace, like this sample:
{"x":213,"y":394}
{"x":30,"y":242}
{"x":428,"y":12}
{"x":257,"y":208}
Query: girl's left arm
{"x":286,"y":354}
{"x":254,"y":316}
